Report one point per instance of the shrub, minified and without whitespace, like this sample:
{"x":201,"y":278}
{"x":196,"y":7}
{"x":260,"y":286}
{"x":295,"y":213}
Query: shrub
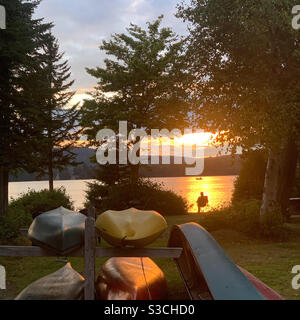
{"x":11,"y":223}
{"x":23,"y":210}
{"x":37,"y":202}
{"x":244,"y":217}
{"x":144,"y":195}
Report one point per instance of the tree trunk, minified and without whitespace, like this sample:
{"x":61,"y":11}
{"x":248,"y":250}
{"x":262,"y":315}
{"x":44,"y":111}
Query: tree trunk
{"x":50,"y":171}
{"x":135,"y":173}
{"x":135,"y":169}
{"x":270,"y":202}
{"x":3,"y":190}
{"x":290,"y":159}
{"x":279,"y":180}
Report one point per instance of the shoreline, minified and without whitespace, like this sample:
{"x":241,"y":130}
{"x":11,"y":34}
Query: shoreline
{"x":152,"y":177}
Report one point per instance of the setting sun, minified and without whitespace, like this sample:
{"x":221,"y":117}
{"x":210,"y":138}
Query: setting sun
{"x":203,"y":139}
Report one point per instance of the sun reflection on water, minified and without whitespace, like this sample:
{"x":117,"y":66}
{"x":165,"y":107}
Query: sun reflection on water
{"x":218,"y":189}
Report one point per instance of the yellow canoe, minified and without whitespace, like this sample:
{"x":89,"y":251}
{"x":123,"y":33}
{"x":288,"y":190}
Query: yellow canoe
{"x":131,"y":227}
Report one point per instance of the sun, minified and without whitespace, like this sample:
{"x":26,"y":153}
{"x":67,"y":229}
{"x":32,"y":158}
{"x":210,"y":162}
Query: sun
{"x":201,"y":139}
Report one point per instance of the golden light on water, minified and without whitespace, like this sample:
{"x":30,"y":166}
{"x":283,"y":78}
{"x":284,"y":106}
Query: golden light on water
{"x":217,"y":188}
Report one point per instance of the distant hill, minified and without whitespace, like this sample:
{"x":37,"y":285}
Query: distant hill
{"x":213,"y":166}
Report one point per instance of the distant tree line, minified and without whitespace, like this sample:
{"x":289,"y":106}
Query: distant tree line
{"x":213,"y":166}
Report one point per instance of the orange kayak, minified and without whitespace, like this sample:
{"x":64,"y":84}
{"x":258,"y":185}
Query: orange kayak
{"x":131,"y":279}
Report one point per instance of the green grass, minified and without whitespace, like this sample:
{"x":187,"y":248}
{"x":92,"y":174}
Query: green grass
{"x":272,"y":262}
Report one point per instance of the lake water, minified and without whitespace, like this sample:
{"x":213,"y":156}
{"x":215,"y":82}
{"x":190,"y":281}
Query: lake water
{"x":217,"y":188}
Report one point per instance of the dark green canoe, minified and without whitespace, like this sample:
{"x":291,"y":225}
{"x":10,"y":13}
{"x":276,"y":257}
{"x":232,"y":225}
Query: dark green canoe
{"x":206,"y":269}
{"x":64,"y":284}
{"x":60,"y":230}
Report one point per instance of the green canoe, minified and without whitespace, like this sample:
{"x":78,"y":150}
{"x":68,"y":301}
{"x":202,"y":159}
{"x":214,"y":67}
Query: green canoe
{"x":64,"y":284}
{"x":207,"y":271}
{"x":60,"y":230}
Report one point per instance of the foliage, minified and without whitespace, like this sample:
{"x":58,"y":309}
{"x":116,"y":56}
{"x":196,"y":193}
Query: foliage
{"x":36,"y":202}
{"x":20,"y":44}
{"x":244,"y":216}
{"x":250,"y":182}
{"x":144,"y":195}
{"x":56,"y":124}
{"x":11,"y":223}
{"x":147,"y":74}
{"x":21,"y":211}
{"x":245,"y":55}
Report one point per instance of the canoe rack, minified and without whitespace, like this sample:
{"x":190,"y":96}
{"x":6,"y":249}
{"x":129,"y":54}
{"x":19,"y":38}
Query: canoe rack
{"x":89,"y":252}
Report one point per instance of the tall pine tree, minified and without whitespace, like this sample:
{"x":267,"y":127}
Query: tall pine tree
{"x":56,"y":122}
{"x":20,"y":43}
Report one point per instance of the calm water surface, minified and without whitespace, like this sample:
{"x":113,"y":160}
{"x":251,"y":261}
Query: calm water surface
{"x":218,"y":189}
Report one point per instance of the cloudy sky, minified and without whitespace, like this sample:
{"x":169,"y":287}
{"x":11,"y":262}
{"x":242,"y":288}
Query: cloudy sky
{"x":81,"y":25}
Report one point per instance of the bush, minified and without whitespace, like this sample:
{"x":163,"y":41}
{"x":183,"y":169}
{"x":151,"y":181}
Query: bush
{"x":11,"y":223}
{"x":37,"y":202}
{"x":23,"y":210}
{"x":144,"y":195}
{"x":245,"y":217}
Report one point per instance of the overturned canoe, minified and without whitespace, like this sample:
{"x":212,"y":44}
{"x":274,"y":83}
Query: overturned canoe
{"x":132,"y":227}
{"x":265,"y":290}
{"x":64,"y":284}
{"x":60,"y":230}
{"x":131,"y":279}
{"x":207,"y":271}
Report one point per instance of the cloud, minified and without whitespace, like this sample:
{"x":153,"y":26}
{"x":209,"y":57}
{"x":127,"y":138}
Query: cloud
{"x":81,"y":25}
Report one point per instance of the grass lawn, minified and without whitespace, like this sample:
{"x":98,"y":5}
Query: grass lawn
{"x":272,"y":262}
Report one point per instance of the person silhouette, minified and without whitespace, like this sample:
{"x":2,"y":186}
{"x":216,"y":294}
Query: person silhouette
{"x":202,"y":201}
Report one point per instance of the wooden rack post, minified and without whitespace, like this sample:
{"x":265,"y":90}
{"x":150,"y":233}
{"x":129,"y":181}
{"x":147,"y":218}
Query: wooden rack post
{"x":89,"y":255}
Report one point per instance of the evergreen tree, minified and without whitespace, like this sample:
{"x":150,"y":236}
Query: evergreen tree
{"x":20,"y":43}
{"x":56,"y":123}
